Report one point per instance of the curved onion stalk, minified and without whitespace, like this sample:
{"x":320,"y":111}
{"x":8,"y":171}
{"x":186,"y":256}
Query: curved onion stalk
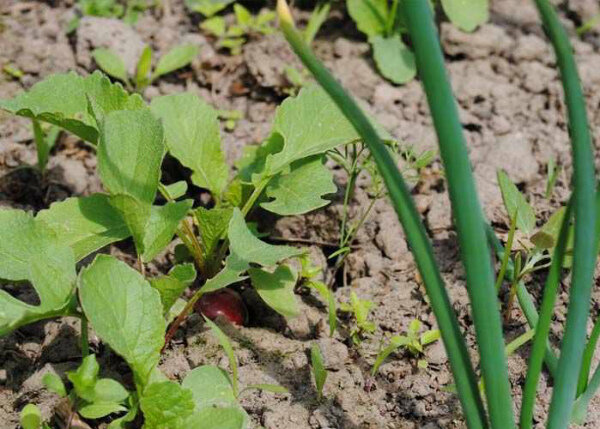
{"x":462,"y":369}
{"x":584,"y":256}
{"x":467,"y":211}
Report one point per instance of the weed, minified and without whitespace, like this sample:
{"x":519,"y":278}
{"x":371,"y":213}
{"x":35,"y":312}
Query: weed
{"x":318,"y":369}
{"x":359,"y":308}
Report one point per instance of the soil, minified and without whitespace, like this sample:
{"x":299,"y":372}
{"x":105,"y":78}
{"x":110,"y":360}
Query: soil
{"x":511,"y":107}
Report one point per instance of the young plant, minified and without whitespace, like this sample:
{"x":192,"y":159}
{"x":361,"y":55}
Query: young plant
{"x":318,"y":369}
{"x":177,"y":58}
{"x":359,"y":308}
{"x":412,"y":341}
{"x":128,"y":10}
{"x":31,"y":418}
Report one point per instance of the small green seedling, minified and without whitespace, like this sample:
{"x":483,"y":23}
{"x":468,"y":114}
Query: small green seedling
{"x":318,"y":369}
{"x":177,"y":58}
{"x":307,"y":277}
{"x":207,"y":8}
{"x":45,"y":137}
{"x":31,"y":418}
{"x":230,"y":117}
{"x":552,"y":171}
{"x":234,"y":36}
{"x":13,"y":71}
{"x":413,"y":341}
{"x":360,"y":309}
{"x":129,"y":12}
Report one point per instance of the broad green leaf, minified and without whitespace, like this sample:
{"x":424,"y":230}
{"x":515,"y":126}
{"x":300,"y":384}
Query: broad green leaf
{"x":394,"y":59}
{"x":166,"y":405}
{"x":301,"y":190}
{"x":213,"y":225}
{"x":31,"y":417}
{"x":125,"y":311}
{"x":226,"y":344}
{"x":130,"y":153}
{"x":233,"y":417}
{"x":250,"y":249}
{"x":176,"y":190}
{"x":370,"y":16}
{"x":178,"y":57}
{"x":231,"y":273}
{"x":310,"y":124}
{"x":515,"y":202}
{"x":171,"y":286}
{"x":143,"y":67}
{"x":62,"y":100}
{"x":208,"y":7}
{"x":84,"y":378}
{"x":210,"y":386}
{"x":467,"y":14}
{"x":29,"y":251}
{"x":98,"y":410}
{"x":109,"y":390}
{"x":161,"y":226}
{"x":54,"y":383}
{"x":110,"y":63}
{"x":319,"y":371}
{"x":192,"y":136}
{"x":85,"y":224}
{"x":277,"y":288}
{"x":215,"y":26}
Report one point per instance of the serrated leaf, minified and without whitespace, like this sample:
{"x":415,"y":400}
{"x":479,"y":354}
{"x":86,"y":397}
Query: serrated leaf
{"x":125,"y":311}
{"x":171,"y":286}
{"x":228,"y":348}
{"x":110,"y":63}
{"x":515,"y":202}
{"x":31,"y":417}
{"x":467,"y":14}
{"x":310,"y":124}
{"x":231,"y":273}
{"x":277,"y":288}
{"x":219,"y":418}
{"x":250,"y":249}
{"x":85,"y":224}
{"x":62,"y":100}
{"x":370,"y":16}
{"x":395,"y":61}
{"x":98,"y":410}
{"x":301,"y":190}
{"x":161,"y":226}
{"x":213,"y":225}
{"x":318,"y":367}
{"x":192,"y":136}
{"x":208,"y":7}
{"x":178,"y":57}
{"x":29,"y":251}
{"x":210,"y":386}
{"x":166,"y":405}
{"x":130,"y":153}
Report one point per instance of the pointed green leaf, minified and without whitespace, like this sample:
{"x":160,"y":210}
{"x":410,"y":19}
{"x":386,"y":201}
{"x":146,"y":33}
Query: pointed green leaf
{"x":161,"y":226}
{"x":231,"y":273}
{"x":319,"y":371}
{"x":213,"y":225}
{"x":249,"y":248}
{"x":467,"y":14}
{"x":110,"y":63}
{"x":85,"y":224}
{"x":144,"y":64}
{"x":301,"y":190}
{"x":178,"y":57}
{"x":84,"y":378}
{"x":277,"y":288}
{"x":207,"y":7}
{"x":192,"y":136}
{"x":515,"y":202}
{"x":210,"y":386}
{"x":166,"y":405}
{"x":135,"y":214}
{"x":130,"y":153}
{"x":394,"y":59}
{"x":370,"y":16}
{"x":171,"y":286}
{"x":125,"y":311}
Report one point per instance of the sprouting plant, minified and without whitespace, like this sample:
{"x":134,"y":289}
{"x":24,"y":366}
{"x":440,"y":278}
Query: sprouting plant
{"x":360,"y":309}
{"x":552,"y":171}
{"x":230,"y":117}
{"x":318,"y":369}
{"x":413,"y":341}
{"x":208,"y":8}
{"x":31,"y":418}
{"x":178,"y":57}
{"x":307,"y":277}
{"x":234,"y":36}
{"x":383,"y":23}
{"x":127,"y":10}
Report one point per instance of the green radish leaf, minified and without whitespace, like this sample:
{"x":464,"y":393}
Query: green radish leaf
{"x":110,"y":63}
{"x":370,"y":16}
{"x":85,"y":224}
{"x":210,"y":386}
{"x":467,"y":14}
{"x":226,"y":344}
{"x":215,"y":26}
{"x":109,"y":390}
{"x":29,"y":251}
{"x":192,"y":136}
{"x":171,"y":286}
{"x":207,"y":7}
{"x":136,"y":215}
{"x":98,"y":410}
{"x":130,"y":153}
{"x":328,"y":296}
{"x":515,"y":202}
{"x":231,"y":273}
{"x":301,"y":190}
{"x":213,"y":225}
{"x":143,"y":67}
{"x":319,"y":371}
{"x":277,"y":288}
{"x":62,"y":100}
{"x":31,"y":417}
{"x":242,"y":15}
{"x":176,"y":190}
{"x":166,"y":405}
{"x":54,"y":383}
{"x":125,"y":312}
{"x":250,"y":249}
{"x":85,"y":377}
{"x":178,"y":57}
{"x":233,"y":417}
{"x":394,"y":59}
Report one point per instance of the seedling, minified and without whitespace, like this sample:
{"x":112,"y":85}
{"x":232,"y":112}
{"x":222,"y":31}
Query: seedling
{"x":360,"y":309}
{"x":318,"y":368}
{"x":413,"y":341}
{"x":13,"y":71}
{"x":129,"y":11}
{"x":234,"y":36}
{"x":177,"y":58}
{"x":230,"y":117}
{"x":31,"y":418}
{"x":307,"y":277}
{"x":552,"y":170}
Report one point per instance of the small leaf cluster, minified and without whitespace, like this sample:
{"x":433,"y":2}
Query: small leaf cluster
{"x":360,"y":309}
